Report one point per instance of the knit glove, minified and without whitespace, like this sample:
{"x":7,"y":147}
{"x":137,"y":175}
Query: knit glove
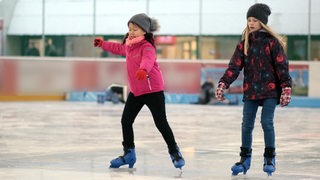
{"x":97,"y":42}
{"x":141,"y":74}
{"x":219,"y":92}
{"x":285,"y":97}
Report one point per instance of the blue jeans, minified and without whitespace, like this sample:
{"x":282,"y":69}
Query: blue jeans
{"x":250,"y":108}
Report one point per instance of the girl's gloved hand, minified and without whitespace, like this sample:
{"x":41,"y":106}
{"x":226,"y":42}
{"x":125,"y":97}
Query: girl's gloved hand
{"x":285,"y":97}
{"x":97,"y":42}
{"x":141,"y":74}
{"x":220,"y":91}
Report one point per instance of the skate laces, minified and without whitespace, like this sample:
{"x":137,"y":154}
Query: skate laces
{"x":269,"y":161}
{"x":241,"y":160}
{"x":176,"y":156}
{"x":122,"y":157}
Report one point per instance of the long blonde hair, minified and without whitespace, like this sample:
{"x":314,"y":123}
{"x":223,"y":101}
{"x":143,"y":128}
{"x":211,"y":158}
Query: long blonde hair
{"x":246,"y":32}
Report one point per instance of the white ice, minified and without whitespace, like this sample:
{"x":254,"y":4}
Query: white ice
{"x":76,"y":140}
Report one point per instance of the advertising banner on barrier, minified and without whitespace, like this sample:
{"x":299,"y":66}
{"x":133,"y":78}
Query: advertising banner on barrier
{"x":300,"y":79}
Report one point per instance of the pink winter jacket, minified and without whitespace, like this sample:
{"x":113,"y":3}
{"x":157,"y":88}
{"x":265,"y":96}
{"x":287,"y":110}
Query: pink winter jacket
{"x":141,"y":55}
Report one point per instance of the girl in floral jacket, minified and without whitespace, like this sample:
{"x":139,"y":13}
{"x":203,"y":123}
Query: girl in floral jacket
{"x":146,"y":87}
{"x":266,"y":83}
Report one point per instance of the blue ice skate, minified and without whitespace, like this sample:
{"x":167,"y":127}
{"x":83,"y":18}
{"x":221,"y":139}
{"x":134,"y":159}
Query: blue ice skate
{"x":269,"y":165}
{"x":177,"y":159}
{"x":129,"y":158}
{"x":244,"y":165}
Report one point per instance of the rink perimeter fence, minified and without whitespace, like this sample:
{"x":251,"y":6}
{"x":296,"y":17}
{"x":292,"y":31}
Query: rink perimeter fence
{"x":84,"y":79}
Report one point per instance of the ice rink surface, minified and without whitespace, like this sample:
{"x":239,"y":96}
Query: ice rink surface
{"x":76,"y":141}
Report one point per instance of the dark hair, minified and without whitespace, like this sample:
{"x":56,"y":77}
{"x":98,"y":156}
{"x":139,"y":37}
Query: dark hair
{"x":148,"y":36}
{"x":124,"y":38}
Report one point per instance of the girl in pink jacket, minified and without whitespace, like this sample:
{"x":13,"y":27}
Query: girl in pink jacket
{"x":146,"y":87}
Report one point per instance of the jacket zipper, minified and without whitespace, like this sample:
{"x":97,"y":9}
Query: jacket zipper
{"x":148,"y":78}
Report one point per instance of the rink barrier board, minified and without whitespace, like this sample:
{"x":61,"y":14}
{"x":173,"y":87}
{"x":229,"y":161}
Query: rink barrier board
{"x":42,"y":76}
{"x":85,"y":96}
{"x":172,"y":98}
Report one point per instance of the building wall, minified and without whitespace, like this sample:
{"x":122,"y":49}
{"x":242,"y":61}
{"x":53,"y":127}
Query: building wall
{"x":68,"y":22}
{"x":6,"y":15}
{"x":176,"y":17}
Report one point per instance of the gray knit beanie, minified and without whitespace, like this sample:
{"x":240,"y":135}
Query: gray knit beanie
{"x":148,"y":24}
{"x":259,"y":11}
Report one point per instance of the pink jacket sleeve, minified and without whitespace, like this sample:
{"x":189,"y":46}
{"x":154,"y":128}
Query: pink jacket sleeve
{"x":148,"y":57}
{"x":113,"y":47}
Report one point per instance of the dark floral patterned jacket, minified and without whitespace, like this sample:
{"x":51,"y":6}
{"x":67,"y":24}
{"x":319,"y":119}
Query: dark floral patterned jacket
{"x":266,"y":69}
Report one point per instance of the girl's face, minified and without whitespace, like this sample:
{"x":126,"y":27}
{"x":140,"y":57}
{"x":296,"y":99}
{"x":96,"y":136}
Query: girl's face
{"x":253,"y":24}
{"x":135,"y":31}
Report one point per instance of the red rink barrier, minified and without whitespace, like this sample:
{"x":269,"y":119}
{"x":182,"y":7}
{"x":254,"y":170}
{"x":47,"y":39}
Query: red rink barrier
{"x":36,"y":76}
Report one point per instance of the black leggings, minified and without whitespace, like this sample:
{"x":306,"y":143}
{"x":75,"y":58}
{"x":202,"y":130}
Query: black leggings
{"x":156,"y":104}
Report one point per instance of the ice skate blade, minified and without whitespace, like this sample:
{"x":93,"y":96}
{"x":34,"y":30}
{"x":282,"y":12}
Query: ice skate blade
{"x":129,"y":166}
{"x":123,"y":169}
{"x":180,"y":168}
{"x":179,"y":175}
{"x":234,"y":174}
{"x":237,"y":174}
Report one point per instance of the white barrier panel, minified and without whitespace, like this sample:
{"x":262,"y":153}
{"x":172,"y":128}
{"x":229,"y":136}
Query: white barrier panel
{"x":314,"y":79}
{"x":44,"y":77}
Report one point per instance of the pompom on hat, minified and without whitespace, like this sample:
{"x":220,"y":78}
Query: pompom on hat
{"x":259,"y":11}
{"x":148,"y":24}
